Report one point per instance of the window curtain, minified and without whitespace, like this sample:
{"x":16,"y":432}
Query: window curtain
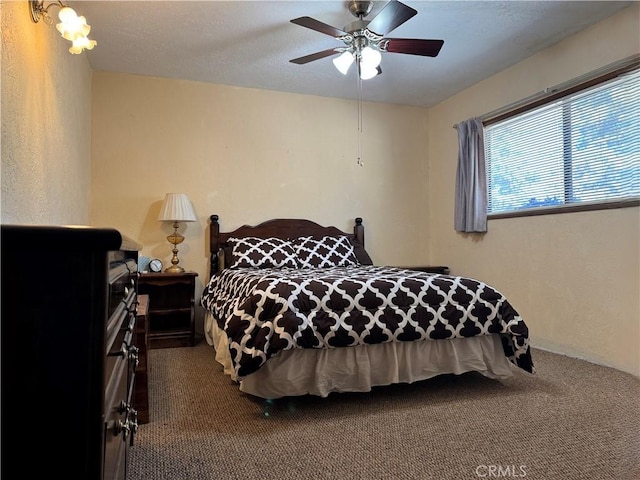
{"x":471,"y":180}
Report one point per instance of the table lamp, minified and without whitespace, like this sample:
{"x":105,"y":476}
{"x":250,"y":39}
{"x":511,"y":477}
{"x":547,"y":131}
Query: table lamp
{"x":176,"y":208}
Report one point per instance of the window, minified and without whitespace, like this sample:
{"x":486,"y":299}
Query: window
{"x":582,"y":148}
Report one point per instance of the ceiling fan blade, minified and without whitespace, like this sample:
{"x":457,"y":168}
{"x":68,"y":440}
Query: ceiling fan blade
{"x":392,"y":15}
{"x":318,"y":26}
{"x":315,"y":56}
{"x":412,"y":46}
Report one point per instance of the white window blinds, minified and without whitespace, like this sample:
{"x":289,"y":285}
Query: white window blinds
{"x":582,"y":148}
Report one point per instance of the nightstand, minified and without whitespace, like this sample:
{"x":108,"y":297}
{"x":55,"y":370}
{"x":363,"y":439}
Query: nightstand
{"x":430,"y":269}
{"x":171,"y":314}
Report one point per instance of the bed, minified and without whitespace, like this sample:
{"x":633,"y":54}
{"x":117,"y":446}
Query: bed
{"x":295,"y":308}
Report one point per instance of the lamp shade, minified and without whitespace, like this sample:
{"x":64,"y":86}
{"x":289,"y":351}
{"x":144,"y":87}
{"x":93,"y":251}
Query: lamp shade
{"x":371,"y":57}
{"x":343,"y":62}
{"x":367,"y":71}
{"x":177,"y":208}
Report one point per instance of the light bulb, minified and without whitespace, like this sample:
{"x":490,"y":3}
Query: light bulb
{"x":67,"y":14}
{"x":343,"y":62}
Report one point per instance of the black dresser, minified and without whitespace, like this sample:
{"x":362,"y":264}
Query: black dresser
{"x":69,"y":297}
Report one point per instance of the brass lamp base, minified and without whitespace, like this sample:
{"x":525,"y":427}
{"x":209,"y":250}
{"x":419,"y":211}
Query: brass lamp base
{"x":174,"y":269}
{"x":175,"y":239}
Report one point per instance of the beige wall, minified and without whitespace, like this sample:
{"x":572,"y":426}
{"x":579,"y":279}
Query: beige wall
{"x":574,"y":277}
{"x":251,"y":155}
{"x":46,"y":119}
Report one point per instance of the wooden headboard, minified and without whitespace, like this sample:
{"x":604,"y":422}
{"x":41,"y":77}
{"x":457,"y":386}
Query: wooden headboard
{"x":285,"y":228}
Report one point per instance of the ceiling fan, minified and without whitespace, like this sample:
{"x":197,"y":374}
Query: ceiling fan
{"x":365,"y":39}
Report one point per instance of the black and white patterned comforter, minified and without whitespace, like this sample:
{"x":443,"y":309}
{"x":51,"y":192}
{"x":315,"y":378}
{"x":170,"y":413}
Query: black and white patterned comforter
{"x":264,"y":311}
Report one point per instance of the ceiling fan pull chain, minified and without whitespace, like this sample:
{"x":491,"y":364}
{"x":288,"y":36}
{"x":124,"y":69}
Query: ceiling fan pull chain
{"x":360,"y":160}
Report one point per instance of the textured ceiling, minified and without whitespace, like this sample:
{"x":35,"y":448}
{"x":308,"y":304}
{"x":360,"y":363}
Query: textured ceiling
{"x":250,"y":43}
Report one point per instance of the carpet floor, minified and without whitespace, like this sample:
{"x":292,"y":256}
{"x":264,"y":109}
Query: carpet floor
{"x":572,"y":420}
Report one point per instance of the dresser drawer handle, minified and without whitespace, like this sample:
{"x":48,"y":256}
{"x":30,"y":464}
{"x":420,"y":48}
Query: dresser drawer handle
{"x":123,"y":428}
{"x":134,"y":354}
{"x":128,"y":427}
{"x":123,"y":351}
{"x":132,"y":419}
{"x":124,"y":407}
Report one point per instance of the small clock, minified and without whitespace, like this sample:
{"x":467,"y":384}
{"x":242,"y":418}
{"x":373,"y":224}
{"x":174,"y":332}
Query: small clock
{"x":155,"y":265}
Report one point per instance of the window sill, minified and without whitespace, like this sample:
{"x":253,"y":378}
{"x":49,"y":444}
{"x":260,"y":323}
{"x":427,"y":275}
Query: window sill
{"x":583,"y":207}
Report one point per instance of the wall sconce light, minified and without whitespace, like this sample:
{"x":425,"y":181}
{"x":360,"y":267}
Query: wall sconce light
{"x":176,"y":208}
{"x":72,"y":27}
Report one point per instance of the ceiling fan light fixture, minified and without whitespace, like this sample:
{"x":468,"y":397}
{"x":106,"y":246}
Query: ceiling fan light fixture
{"x":367,"y":71}
{"x":368,"y":62}
{"x":343,"y":62}
{"x":371,"y":57}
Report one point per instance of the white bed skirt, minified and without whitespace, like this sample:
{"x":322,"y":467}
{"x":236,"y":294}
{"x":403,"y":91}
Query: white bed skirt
{"x":357,"y":369}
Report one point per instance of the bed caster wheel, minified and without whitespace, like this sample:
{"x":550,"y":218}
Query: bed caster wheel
{"x":267,"y":407}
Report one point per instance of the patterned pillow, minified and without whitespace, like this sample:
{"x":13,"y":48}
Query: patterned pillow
{"x":253,"y":252}
{"x":324,"y":252}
